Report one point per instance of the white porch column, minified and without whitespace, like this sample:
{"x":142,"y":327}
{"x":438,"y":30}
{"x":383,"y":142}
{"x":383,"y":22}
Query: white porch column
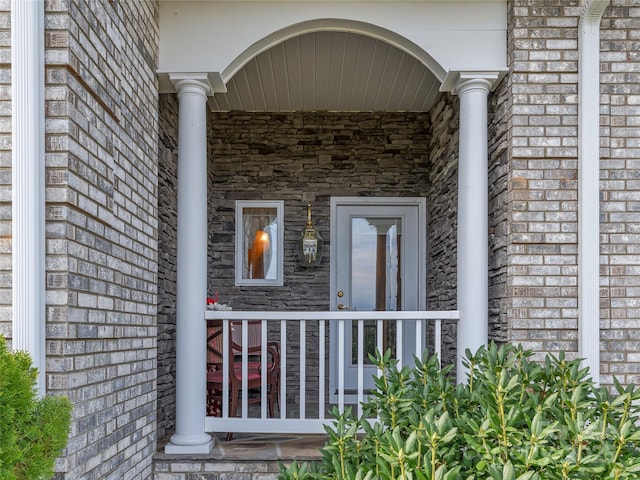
{"x":28,"y":170}
{"x":473,"y":200}
{"x":190,"y":436}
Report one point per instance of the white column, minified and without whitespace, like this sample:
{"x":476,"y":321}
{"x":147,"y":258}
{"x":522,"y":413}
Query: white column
{"x":473,"y":230}
{"x":589,"y":186}
{"x":28,"y":170}
{"x":190,"y":436}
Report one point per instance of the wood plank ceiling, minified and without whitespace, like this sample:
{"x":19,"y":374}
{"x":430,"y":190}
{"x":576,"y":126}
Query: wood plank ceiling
{"x":335,"y":71}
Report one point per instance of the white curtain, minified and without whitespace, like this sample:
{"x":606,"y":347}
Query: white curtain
{"x":260,"y":234}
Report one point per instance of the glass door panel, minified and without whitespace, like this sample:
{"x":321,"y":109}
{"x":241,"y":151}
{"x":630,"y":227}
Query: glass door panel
{"x":375,"y":270}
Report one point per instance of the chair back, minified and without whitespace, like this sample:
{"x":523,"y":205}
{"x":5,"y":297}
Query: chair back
{"x":215,"y":347}
{"x":254,"y":336}
{"x":215,"y":350}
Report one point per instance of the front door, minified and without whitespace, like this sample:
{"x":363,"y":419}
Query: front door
{"x":377,"y":263}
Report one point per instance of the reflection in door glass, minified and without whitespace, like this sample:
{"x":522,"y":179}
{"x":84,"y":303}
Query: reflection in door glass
{"x":375,"y":277}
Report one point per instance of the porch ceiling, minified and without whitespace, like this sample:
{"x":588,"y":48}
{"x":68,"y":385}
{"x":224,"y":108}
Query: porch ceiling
{"x":336,"y":71}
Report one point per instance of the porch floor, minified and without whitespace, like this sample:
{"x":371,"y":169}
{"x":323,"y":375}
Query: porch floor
{"x":257,"y":456}
{"x":284,"y":447}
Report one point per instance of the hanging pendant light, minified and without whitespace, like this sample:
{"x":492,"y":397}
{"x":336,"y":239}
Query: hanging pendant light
{"x":310,"y":245}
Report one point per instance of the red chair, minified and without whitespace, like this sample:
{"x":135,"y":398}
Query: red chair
{"x":215,"y":354}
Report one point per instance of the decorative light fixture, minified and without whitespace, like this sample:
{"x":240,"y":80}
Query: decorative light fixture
{"x":311,"y":244}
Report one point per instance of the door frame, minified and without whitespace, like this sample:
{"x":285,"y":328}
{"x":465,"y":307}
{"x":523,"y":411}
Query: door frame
{"x":421,"y":204}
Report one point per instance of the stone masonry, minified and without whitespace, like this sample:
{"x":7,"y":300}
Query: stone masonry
{"x":167,"y":265}
{"x":314,"y":156}
{"x":302,"y":157}
{"x":101,"y":227}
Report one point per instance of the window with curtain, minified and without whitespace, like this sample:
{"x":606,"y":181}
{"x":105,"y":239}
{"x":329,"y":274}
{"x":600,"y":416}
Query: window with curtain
{"x":259,"y":245}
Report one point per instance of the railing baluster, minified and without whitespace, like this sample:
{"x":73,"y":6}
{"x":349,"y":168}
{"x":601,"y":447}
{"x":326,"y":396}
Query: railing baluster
{"x":438,"y":340}
{"x":303,"y":368}
{"x":379,"y":335}
{"x":360,"y":366}
{"x":341,"y":350}
{"x":418,"y":351}
{"x":283,"y":369}
{"x":225,"y":367}
{"x":263,"y":369}
{"x":321,"y":375}
{"x":399,"y":339}
{"x":245,"y":369}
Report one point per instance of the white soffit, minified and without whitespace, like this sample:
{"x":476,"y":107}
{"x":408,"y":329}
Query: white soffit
{"x":329,"y":55}
{"x":330,"y":71}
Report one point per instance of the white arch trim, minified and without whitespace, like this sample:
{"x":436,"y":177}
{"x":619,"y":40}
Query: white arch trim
{"x":334,"y":25}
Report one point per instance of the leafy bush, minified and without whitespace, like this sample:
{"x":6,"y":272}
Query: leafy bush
{"x":515,"y":419}
{"x":33,"y":430}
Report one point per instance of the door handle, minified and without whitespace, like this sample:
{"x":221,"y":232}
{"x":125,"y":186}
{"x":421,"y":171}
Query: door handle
{"x":343,"y":307}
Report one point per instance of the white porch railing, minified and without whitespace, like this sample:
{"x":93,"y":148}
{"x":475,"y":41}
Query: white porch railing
{"x":298,"y":370}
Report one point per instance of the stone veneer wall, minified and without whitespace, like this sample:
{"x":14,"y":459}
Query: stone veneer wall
{"x":167,"y":265}
{"x":300,"y":157}
{"x":443,"y":216}
{"x":101,"y":214}
{"x":443,"y":198}
{"x":499,"y":104}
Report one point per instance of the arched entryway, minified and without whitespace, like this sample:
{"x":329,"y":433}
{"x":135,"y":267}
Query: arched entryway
{"x":308,"y":65}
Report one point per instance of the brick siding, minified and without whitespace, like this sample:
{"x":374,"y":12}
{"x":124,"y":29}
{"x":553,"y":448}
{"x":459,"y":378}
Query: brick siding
{"x":620,"y":193}
{"x":5,"y":169}
{"x":542,"y":191}
{"x":542,"y":186}
{"x":102,"y":220}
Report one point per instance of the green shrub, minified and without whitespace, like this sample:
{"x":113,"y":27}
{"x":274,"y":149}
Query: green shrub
{"x":515,"y":419}
{"x":33,"y":430}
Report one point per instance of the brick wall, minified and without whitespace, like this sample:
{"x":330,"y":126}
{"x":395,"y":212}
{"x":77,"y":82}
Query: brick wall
{"x":542,"y":192}
{"x":5,"y":168}
{"x":620,"y":192}
{"x":542,"y":186}
{"x":102,"y":189}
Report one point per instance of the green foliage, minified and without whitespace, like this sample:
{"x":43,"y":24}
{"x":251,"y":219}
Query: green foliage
{"x":515,"y":419}
{"x":33,"y":430}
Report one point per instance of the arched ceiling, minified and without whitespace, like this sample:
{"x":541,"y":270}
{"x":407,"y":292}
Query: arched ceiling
{"x":330,"y":70}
